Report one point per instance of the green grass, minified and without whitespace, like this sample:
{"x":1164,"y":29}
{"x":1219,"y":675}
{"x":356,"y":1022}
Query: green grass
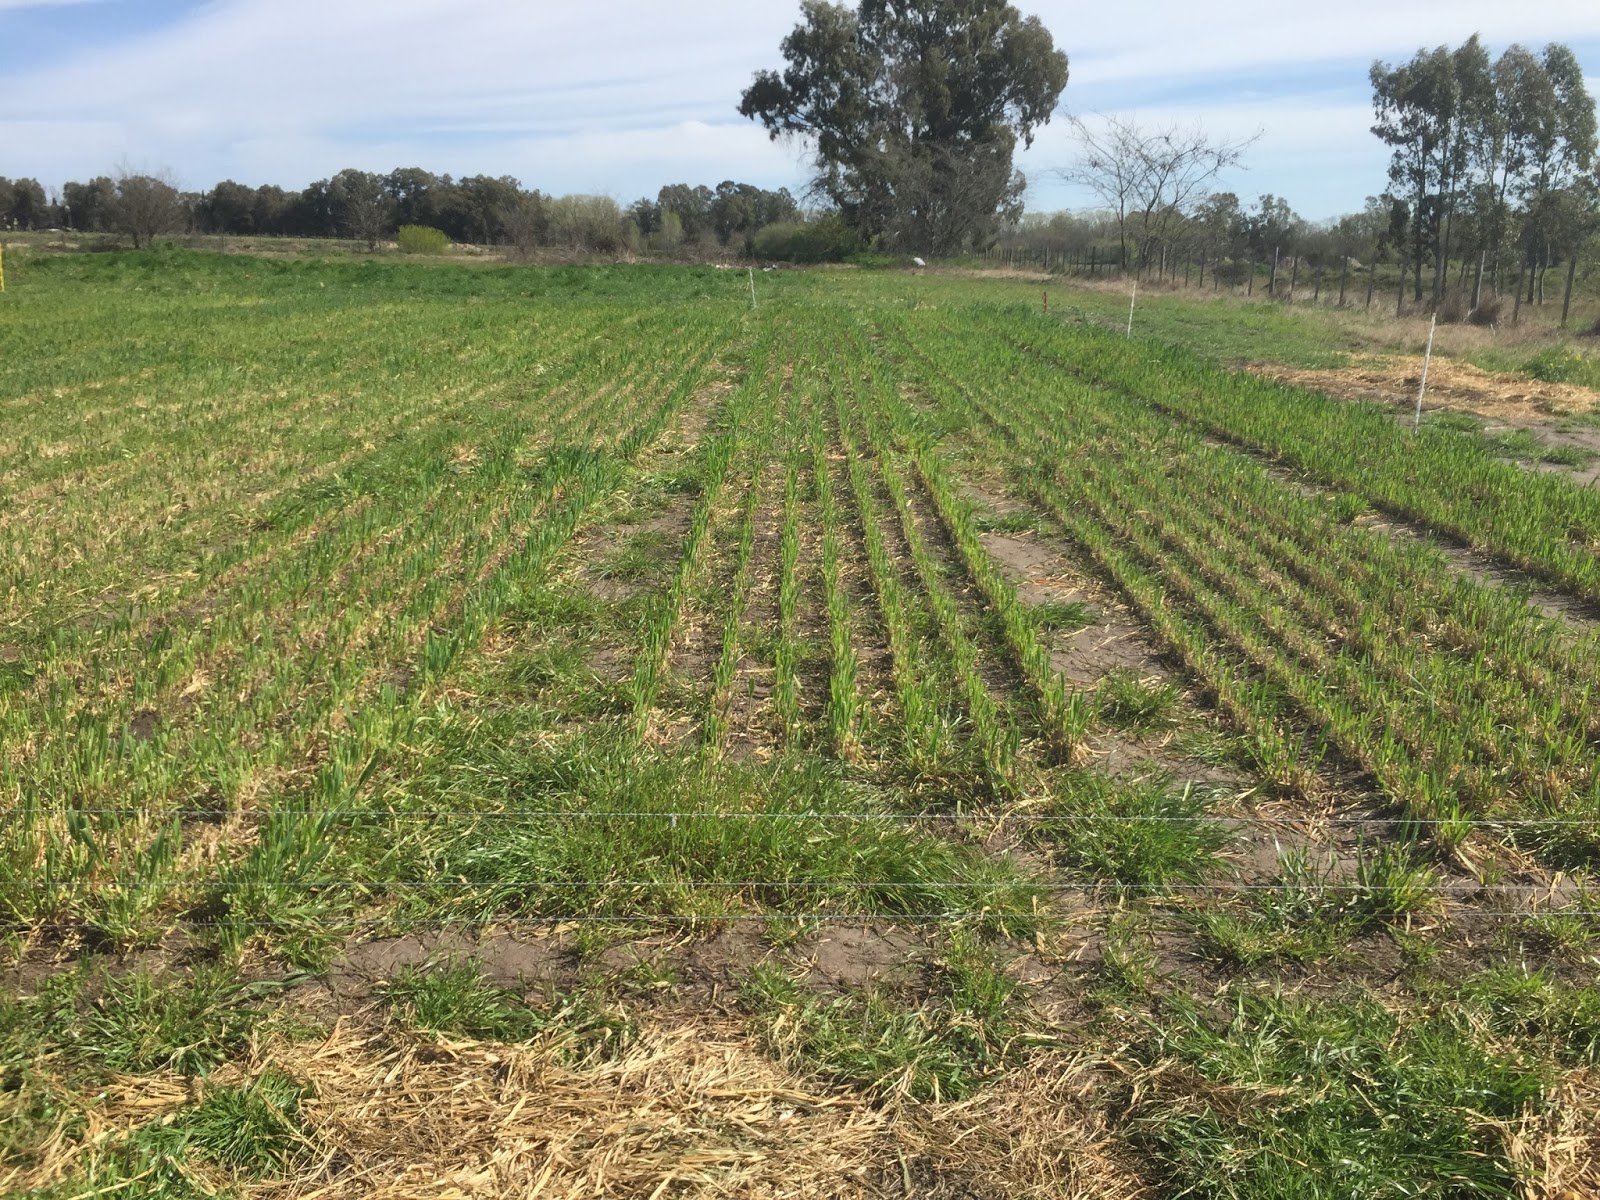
{"x":1300,"y":1099}
{"x":1127,"y":701}
{"x":1141,"y":833}
{"x":963,"y":1032}
{"x":1062,"y":616}
{"x":311,"y":632}
{"x":1318,"y":910}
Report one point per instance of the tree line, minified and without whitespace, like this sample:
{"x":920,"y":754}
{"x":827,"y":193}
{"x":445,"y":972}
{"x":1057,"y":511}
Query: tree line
{"x":1494,"y":178}
{"x":369,"y":208}
{"x":912,"y":110}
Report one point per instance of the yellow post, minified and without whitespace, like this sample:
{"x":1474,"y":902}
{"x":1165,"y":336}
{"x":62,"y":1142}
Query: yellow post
{"x":2,"y":266}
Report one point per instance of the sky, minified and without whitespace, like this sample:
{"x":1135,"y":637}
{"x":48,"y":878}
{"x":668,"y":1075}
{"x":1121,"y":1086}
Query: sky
{"x":621,"y":96}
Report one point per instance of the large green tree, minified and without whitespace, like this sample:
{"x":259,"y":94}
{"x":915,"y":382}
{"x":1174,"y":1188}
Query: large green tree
{"x":914,"y":109}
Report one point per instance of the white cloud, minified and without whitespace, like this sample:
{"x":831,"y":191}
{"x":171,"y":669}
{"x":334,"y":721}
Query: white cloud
{"x":1152,"y":39}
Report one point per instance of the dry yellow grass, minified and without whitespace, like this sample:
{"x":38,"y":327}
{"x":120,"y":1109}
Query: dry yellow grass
{"x":1451,"y":383}
{"x":687,"y":1110}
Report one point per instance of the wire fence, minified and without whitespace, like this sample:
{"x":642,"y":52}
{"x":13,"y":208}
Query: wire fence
{"x":973,"y":816}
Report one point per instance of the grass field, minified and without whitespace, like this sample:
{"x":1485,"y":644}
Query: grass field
{"x":510,"y":731}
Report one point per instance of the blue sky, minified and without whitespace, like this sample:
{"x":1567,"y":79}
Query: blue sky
{"x":620,"y":96}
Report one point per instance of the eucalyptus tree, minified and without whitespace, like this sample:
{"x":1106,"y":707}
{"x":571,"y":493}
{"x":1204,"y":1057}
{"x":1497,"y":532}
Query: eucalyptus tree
{"x":1432,"y":111}
{"x":1557,"y":202}
{"x":1470,"y":138}
{"x":913,"y":110}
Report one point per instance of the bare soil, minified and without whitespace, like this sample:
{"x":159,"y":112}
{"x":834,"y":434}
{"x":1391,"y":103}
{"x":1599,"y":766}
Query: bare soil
{"x":1041,"y":572}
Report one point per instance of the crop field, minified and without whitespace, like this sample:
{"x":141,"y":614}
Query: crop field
{"x":504,"y":731}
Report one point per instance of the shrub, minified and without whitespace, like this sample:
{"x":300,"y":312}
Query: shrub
{"x":1453,"y":309}
{"x":827,"y":239}
{"x":1488,"y":312}
{"x":1559,"y":364}
{"x":422,"y":239}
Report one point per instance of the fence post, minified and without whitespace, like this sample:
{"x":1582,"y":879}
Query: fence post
{"x":1344,"y":278}
{"x":1422,"y":387}
{"x":1400,"y":300}
{"x":1316,"y":288}
{"x":1294,"y":274}
{"x":1372,"y":280}
{"x":1250,"y":285}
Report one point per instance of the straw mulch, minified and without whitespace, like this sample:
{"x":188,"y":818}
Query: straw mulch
{"x":1451,"y":383}
{"x":1559,"y":1147}
{"x":692,"y":1110}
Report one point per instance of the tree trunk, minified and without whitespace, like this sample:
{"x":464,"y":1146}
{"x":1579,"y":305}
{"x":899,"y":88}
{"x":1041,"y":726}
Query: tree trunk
{"x":1372,"y":281}
{"x":1516,"y":309}
{"x":1419,"y":243}
{"x":1272,"y":276}
{"x":1316,"y":289}
{"x":1400,"y":300}
{"x":1566,"y":300}
{"x":1250,"y":286}
{"x":1344,"y":279}
{"x":1441,"y":270}
{"x":1477,"y":284}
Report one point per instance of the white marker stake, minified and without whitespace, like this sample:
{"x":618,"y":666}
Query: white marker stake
{"x":1423,"y":386}
{"x":752,"y":287}
{"x":1132,"y":300}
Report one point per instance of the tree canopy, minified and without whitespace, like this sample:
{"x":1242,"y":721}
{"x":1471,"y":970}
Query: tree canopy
{"x":914,"y":109}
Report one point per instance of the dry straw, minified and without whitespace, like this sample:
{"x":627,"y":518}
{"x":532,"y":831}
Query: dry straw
{"x":685,"y":1110}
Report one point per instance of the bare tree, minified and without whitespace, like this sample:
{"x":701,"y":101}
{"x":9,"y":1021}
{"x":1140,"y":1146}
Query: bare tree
{"x":1149,"y":177}
{"x":146,"y":205}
